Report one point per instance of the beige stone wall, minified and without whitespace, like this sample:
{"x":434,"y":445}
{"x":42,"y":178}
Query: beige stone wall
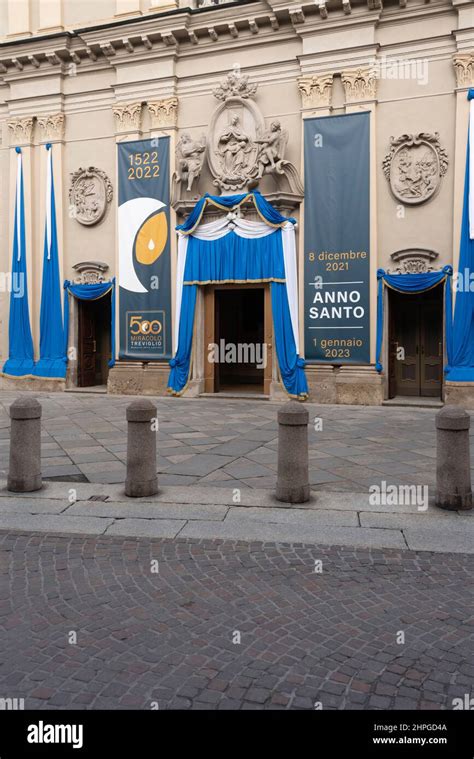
{"x":148,"y":58}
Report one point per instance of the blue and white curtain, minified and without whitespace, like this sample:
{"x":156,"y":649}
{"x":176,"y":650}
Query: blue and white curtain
{"x":52,"y":361}
{"x":235,"y":250}
{"x":20,"y":361}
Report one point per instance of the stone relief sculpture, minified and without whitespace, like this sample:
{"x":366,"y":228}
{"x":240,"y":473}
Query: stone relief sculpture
{"x":414,"y":166}
{"x":90,"y":192}
{"x":189,"y":159}
{"x":413,"y":261}
{"x":240,"y":149}
{"x":272,"y":148}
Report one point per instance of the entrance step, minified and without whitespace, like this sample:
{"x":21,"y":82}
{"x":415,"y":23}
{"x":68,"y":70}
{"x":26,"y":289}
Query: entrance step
{"x":98,"y":389}
{"x":237,"y":396}
{"x":413,"y":402}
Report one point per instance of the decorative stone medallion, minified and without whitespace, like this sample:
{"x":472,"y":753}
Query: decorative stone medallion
{"x":414,"y":166}
{"x":90,"y":192}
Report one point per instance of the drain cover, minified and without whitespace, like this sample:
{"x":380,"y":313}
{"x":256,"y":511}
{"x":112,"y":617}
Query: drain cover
{"x":98,"y":498}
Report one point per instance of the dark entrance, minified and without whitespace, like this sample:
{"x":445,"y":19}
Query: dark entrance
{"x":94,"y":341}
{"x":239,"y":321}
{"x":416,"y":343}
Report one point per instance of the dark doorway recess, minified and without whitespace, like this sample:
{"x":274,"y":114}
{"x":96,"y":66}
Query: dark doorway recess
{"x":94,"y":341}
{"x":239,"y":321}
{"x":416,"y":343}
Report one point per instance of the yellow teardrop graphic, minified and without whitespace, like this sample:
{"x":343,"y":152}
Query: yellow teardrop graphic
{"x":151,"y":239}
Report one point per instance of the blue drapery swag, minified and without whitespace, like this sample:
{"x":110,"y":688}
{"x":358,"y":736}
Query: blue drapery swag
{"x":461,"y":367}
{"x":226,"y":202}
{"x":413,"y":284}
{"x":90,"y":292}
{"x":237,"y":259}
{"x":20,"y":361}
{"x":52,"y":362}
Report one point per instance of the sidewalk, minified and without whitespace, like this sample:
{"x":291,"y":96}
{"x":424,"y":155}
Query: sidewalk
{"x":346,"y":519}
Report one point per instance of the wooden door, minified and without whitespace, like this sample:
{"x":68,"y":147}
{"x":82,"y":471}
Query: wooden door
{"x":268,"y":338}
{"x":431,"y":348}
{"x":407,"y":347}
{"x":87,"y":345}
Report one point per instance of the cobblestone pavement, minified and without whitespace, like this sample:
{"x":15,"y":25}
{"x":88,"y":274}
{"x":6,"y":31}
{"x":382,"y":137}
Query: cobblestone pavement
{"x":224,"y":443}
{"x":171,"y":637}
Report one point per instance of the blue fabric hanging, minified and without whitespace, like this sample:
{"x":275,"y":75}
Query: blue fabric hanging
{"x":52,"y":362}
{"x":462,"y":364}
{"x":91,"y":292}
{"x":181,"y":363}
{"x":267,"y":212}
{"x":291,"y":365}
{"x":20,"y":361}
{"x":232,"y":258}
{"x":413,"y":284}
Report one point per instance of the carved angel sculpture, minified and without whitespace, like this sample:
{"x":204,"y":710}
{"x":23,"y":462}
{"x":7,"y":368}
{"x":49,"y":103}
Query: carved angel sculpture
{"x":189,"y":159}
{"x":271,"y":151}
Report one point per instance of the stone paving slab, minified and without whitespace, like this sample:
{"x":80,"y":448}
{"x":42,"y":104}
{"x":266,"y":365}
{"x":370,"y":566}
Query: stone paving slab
{"x":250,"y":530}
{"x":63,"y":525}
{"x":454,"y":541}
{"x":128,"y":510}
{"x":146,"y":528}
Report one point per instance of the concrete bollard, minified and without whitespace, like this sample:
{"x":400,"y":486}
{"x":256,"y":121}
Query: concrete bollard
{"x":24,"y":474}
{"x":453,"y":472}
{"x":141,"y":479}
{"x":293,"y":479}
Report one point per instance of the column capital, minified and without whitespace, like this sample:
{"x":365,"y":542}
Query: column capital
{"x":21,"y":131}
{"x":464,"y":68}
{"x":128,"y":117}
{"x":52,"y":127}
{"x":359,"y":84}
{"x":163,"y":113}
{"x":315,"y":90}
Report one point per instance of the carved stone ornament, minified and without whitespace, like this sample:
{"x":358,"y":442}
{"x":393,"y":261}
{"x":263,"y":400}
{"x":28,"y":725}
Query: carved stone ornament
{"x":189,"y":160}
{"x":127,"y":117}
{"x":90,"y":272}
{"x":21,"y":130}
{"x":90,"y":192}
{"x":241,"y":148}
{"x":413,"y":261}
{"x":464,"y":68}
{"x":315,"y":90}
{"x":235,"y":85}
{"x":359,"y":84}
{"x":163,"y":112}
{"x":52,"y":127}
{"x":414,"y":166}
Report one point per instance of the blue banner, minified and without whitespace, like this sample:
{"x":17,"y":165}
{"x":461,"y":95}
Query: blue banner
{"x":337,"y":239}
{"x":144,"y":249}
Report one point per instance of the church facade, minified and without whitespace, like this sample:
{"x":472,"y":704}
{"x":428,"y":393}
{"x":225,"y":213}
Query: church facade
{"x":349,"y":118}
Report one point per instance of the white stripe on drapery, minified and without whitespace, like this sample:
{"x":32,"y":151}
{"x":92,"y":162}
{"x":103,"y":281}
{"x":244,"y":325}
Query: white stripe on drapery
{"x":289,"y":258}
{"x":214,"y":230}
{"x":18,"y":210}
{"x":471,"y":169}
{"x":182,"y":250}
{"x":49,"y":174}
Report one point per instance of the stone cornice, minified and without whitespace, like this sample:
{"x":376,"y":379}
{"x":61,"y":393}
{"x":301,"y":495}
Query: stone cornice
{"x":215,"y":27}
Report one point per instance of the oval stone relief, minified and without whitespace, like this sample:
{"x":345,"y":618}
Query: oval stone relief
{"x":414,"y":167}
{"x":90,"y":192}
